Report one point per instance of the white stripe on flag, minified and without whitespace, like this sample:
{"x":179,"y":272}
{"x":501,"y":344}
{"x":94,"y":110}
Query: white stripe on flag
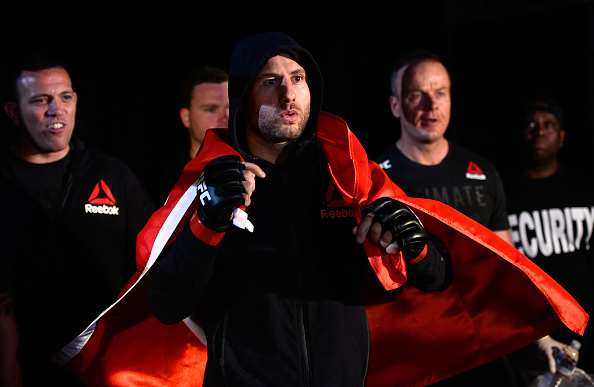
{"x":73,"y":348}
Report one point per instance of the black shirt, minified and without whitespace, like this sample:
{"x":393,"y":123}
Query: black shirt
{"x":463,"y":180}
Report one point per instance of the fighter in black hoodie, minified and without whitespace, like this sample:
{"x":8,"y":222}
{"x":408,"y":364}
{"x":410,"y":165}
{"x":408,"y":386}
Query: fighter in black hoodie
{"x":282,"y":305}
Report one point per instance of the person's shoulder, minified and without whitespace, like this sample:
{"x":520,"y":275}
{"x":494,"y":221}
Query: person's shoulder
{"x":571,"y":173}
{"x":456,"y":148}
{"x":387,"y":153}
{"x":461,"y":152}
{"x":88,"y":154}
{"x":4,"y":158}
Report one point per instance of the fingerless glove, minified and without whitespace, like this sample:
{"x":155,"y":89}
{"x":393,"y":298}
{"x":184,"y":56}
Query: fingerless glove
{"x":220,"y":190}
{"x":406,"y":228}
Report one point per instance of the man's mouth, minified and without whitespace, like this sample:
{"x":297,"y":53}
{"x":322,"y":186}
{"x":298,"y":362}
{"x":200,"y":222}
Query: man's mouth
{"x":538,"y":147}
{"x":289,"y":115}
{"x":429,"y":121}
{"x":55,"y":126}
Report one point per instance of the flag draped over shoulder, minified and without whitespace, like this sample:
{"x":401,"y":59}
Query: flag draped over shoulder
{"x":498,"y":301}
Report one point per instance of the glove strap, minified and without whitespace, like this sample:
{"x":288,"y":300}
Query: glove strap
{"x":420,"y":257}
{"x":204,"y":233}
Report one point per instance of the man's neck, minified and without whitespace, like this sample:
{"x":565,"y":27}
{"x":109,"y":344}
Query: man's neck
{"x":194,"y":148}
{"x":34,"y":156}
{"x":541,"y":171}
{"x":423,"y":153}
{"x":262,"y":148}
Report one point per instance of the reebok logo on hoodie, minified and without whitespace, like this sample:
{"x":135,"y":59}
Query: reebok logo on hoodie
{"x":101,"y":200}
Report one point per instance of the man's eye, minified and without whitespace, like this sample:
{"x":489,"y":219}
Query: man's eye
{"x":549,"y":125}
{"x":270,"y":82}
{"x":39,"y":101}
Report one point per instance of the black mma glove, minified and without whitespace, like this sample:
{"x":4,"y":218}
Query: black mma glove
{"x":220,"y":190}
{"x":406,"y":228}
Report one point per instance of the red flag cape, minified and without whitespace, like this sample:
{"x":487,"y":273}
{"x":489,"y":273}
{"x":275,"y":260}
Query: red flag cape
{"x":498,"y":301}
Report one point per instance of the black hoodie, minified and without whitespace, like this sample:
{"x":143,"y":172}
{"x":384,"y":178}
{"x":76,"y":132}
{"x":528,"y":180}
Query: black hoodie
{"x":282,"y":306}
{"x":71,"y":257}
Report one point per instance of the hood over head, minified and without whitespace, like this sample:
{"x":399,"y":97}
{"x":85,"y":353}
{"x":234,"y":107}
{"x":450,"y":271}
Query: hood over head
{"x":249,"y":56}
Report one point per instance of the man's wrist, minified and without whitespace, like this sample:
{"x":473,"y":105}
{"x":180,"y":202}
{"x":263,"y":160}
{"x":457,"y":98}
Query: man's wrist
{"x":420,"y":257}
{"x":204,"y":233}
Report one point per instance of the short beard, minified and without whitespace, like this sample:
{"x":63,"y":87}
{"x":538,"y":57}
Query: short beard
{"x":281,"y":132}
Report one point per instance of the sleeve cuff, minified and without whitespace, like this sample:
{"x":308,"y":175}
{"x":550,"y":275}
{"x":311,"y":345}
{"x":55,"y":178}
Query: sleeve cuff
{"x":204,"y":233}
{"x":420,"y":257}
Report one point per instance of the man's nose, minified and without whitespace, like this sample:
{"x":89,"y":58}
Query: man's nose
{"x":430,"y":103}
{"x":223,"y":119}
{"x":538,"y":130}
{"x":55,"y":107}
{"x":287,"y":92}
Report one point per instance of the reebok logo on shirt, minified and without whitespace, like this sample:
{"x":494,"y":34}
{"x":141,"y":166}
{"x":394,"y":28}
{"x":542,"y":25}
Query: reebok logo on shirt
{"x":473,"y":172}
{"x":335,"y":206}
{"x":101,"y":200}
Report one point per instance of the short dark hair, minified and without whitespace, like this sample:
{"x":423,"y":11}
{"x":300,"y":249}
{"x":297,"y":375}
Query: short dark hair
{"x":37,"y":61}
{"x":409,"y":59}
{"x":202,"y":74}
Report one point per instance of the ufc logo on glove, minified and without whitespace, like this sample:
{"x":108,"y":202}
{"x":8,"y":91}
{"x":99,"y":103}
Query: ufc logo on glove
{"x":203,"y":190}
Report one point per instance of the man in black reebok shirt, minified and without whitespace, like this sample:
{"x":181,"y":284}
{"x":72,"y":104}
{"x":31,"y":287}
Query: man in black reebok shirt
{"x":425,"y":164}
{"x":70,"y":219}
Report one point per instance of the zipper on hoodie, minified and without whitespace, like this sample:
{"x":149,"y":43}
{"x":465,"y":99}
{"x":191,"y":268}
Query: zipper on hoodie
{"x":300,"y":303}
{"x":65,"y":193}
{"x":301,"y":326}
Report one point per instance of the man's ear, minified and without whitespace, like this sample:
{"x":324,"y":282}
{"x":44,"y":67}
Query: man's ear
{"x":184,"y":114}
{"x":394,"y":106}
{"x":12,"y":111}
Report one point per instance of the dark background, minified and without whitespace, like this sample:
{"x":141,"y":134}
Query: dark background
{"x":127,"y":65}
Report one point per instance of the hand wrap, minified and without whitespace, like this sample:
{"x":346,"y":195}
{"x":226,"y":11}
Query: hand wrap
{"x":220,"y":190}
{"x":406,"y":228}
